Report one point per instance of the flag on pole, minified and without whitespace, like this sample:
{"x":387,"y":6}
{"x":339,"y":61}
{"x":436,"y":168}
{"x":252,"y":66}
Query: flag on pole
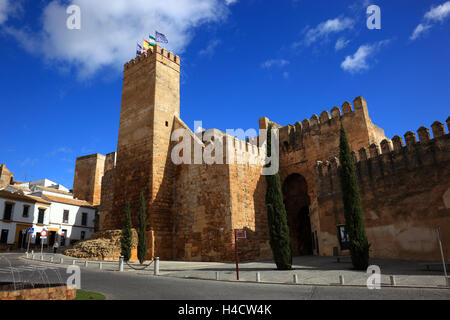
{"x":145,"y":45}
{"x":151,"y":40}
{"x":138,"y":49}
{"x":159,"y":37}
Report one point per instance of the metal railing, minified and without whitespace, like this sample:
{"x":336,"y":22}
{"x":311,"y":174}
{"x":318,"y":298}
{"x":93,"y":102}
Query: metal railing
{"x":100,"y":264}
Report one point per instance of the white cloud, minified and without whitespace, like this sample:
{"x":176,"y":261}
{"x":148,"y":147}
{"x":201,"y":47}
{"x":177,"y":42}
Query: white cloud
{"x":29,"y":162}
{"x":70,"y":170}
{"x":274,"y":63}
{"x":4,"y":5}
{"x":230,"y":2}
{"x":439,"y":13}
{"x":59,"y":150}
{"x":435,"y":14}
{"x":359,"y":61}
{"x":210,"y":49}
{"x":341,"y":44}
{"x":8,"y":8}
{"x":328,"y":27}
{"x":110,"y":29}
{"x":62,"y":150}
{"x":420,"y":29}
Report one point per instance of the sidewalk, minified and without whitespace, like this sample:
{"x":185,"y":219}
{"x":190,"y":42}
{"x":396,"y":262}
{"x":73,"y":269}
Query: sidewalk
{"x":311,"y":270}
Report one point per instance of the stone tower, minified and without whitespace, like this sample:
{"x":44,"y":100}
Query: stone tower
{"x":150,"y":101}
{"x":6,"y":176}
{"x":87,"y":181}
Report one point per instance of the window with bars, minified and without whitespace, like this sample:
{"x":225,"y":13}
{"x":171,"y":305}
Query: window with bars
{"x":84,"y":219}
{"x":41,"y":216}
{"x":26,"y":210}
{"x":66,"y":216}
{"x":7,"y":213}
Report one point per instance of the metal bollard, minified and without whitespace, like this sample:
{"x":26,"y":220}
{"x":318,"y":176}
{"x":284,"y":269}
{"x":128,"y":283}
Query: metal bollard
{"x":217,"y":275}
{"x":392,"y":278}
{"x":85,"y":263}
{"x":341,"y":280}
{"x":121,"y":263}
{"x":295,"y":278}
{"x":42,"y":257}
{"x":258,"y":277}
{"x":100,"y":265}
{"x":51,"y":259}
{"x":74,"y":261}
{"x":156,"y":271}
{"x":61,"y":260}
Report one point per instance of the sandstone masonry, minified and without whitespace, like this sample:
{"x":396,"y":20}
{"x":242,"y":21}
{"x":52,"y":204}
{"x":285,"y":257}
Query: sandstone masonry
{"x":192,"y":209}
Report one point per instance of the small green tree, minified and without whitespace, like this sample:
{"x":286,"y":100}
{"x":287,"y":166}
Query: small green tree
{"x":142,"y":238}
{"x":280,"y":240}
{"x":354,"y":221}
{"x":126,"y":236}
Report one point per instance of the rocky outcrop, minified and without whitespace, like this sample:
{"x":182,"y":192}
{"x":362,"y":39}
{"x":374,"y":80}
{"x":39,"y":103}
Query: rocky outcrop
{"x":103,"y":245}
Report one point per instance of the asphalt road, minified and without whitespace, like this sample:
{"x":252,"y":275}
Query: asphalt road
{"x":132,"y":286}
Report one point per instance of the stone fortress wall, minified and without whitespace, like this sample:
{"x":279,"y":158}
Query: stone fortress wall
{"x":6,"y":176}
{"x":193,"y":208}
{"x":302,"y":144}
{"x":405,"y":193}
{"x":89,"y":171}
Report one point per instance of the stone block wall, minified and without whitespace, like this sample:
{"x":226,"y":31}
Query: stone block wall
{"x":317,"y":138}
{"x":87,"y":181}
{"x":211,"y":200}
{"x":201,"y":213}
{"x":107,"y":198}
{"x":405,"y":193}
{"x":248,"y":207}
{"x":47,"y":293}
{"x":150,"y":101}
{"x":193,"y":209}
{"x":201,"y":207}
{"x":6,"y":176}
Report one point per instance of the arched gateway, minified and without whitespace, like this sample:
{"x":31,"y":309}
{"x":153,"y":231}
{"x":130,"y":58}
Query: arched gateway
{"x":296,"y":200}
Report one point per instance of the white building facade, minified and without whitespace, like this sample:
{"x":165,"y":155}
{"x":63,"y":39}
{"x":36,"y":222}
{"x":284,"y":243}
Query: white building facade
{"x":43,"y":205}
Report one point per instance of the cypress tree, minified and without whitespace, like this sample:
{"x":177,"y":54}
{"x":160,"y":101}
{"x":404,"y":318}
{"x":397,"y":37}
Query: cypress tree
{"x":354,"y":221}
{"x":142,"y":238}
{"x":280,"y":240}
{"x":126,"y":235}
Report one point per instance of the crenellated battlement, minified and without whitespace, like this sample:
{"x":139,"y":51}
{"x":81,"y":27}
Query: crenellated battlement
{"x":241,"y":151}
{"x":292,"y":136}
{"x":234,"y":150}
{"x":152,"y":52}
{"x":198,"y":190}
{"x":247,"y":151}
{"x":385,"y":162}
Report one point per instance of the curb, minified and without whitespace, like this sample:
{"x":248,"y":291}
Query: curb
{"x":442,"y":287}
{"x":309,"y":284}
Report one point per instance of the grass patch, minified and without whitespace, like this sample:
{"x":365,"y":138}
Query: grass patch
{"x":89,"y":295}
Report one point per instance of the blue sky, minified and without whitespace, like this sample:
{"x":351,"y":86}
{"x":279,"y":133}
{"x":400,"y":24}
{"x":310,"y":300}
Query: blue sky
{"x":285,"y":59}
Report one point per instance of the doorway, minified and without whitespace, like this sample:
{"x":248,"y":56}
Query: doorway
{"x":4,"y":236}
{"x":22,"y":239}
{"x":296,"y":201}
{"x":52,"y":238}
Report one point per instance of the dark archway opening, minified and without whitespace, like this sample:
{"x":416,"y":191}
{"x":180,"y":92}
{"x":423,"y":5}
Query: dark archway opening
{"x":296,"y":201}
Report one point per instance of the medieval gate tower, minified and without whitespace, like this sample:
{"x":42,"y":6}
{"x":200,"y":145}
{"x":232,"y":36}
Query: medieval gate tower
{"x":150,"y":100}
{"x":192,"y":209}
